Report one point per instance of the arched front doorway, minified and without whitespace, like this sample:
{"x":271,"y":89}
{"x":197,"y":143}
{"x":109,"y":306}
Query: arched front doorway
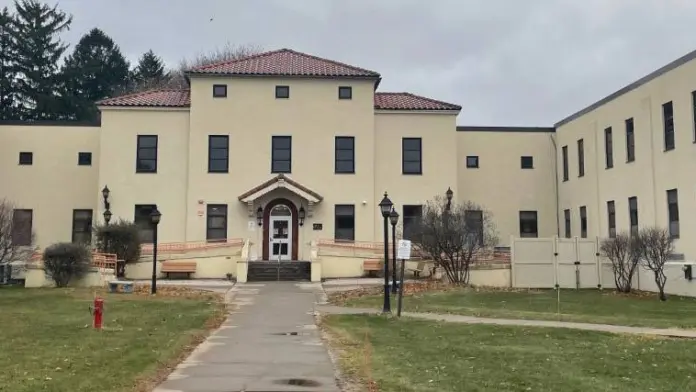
{"x":280,"y":230}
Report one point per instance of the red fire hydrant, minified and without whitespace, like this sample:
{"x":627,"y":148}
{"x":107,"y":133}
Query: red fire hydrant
{"x":98,"y":312}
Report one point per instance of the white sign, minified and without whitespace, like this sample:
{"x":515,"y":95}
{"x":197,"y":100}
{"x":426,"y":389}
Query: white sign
{"x":403,"y":252}
{"x":251,"y":225}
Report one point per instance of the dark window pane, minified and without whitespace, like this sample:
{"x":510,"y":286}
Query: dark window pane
{"x":345,"y":92}
{"x":217,"y":166}
{"x":565,"y":163}
{"x":146,"y":165}
{"x":344,"y":167}
{"x":26,"y":158}
{"x":345,"y":143}
{"x":219,"y":90}
{"x":527,"y":162}
{"x":472,"y":162}
{"x":412,"y":144}
{"x":147,"y":141}
{"x":147,"y":153}
{"x":84,"y":158}
{"x":22,"y":221}
{"x":219,"y":142}
{"x":412,"y":156}
{"x":344,"y":222}
{"x":82,"y":226}
{"x":282,"y":92}
{"x":282,"y":142}
{"x":412,"y":167}
{"x":144,"y":222}
{"x":218,"y":153}
{"x":281,"y":166}
{"x":566,"y":216}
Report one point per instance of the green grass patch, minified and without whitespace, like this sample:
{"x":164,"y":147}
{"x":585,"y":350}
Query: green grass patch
{"x":410,"y":355}
{"x":589,"y":306}
{"x":48,"y":343}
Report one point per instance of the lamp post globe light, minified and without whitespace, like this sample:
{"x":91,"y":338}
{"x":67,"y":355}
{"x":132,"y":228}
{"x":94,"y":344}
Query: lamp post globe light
{"x":155,"y":217}
{"x":449,"y":195}
{"x":393,"y":219}
{"x":107,"y":216}
{"x":385,"y":207}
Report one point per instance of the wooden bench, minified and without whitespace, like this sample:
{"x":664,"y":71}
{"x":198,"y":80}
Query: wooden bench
{"x":125,"y":286}
{"x":185,"y":267}
{"x":372,"y":265}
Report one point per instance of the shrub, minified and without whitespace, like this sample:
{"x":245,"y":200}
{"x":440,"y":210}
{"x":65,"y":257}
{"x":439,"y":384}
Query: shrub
{"x":656,"y":247}
{"x":66,"y":261}
{"x":121,"y":238}
{"x":624,"y":253}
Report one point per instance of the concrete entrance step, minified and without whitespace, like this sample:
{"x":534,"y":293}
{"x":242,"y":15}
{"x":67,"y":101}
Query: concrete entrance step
{"x":271,"y":271}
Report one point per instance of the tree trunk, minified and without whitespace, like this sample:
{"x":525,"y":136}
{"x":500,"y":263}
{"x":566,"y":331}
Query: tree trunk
{"x":660,"y":281}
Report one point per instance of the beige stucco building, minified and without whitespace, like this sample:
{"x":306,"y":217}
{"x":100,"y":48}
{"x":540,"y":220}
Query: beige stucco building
{"x":284,"y":150}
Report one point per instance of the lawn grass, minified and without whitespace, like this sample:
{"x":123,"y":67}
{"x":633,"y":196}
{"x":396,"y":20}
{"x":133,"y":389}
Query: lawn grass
{"x":47,"y":342}
{"x":590,"y":306}
{"x":410,"y":355}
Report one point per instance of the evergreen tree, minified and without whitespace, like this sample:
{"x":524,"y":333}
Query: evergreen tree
{"x":8,"y":74}
{"x":36,"y":29}
{"x":95,"y":70}
{"x":150,"y":70}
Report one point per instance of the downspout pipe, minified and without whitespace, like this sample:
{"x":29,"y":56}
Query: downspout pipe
{"x":555,"y":183}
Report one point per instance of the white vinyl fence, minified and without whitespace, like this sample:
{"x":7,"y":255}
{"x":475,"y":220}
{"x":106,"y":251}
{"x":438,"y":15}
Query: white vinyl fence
{"x":576,"y":263}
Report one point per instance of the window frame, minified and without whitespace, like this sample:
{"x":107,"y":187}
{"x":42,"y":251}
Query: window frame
{"x":78,"y":231}
{"x":533,"y":220}
{"x":226,"y":160}
{"x":404,"y":141}
{"x":282,"y":92}
{"x":668,"y":131}
{"x":568,"y":229}
{"x":209,"y":227}
{"x":219,"y":94}
{"x":84,"y":158}
{"x":26,"y":158}
{"x":408,"y":218}
{"x":583,"y":221}
{"x":633,"y":215}
{"x":343,"y":89}
{"x":529,"y":160}
{"x":350,"y":237}
{"x":476,"y":219}
{"x":693,"y":115}
{"x":564,"y":159}
{"x":673,"y":213}
{"x":351,"y":150}
{"x":275,"y":150}
{"x":611,"y":218}
{"x":581,"y":157}
{"x":474,"y":164}
{"x":23,"y":238}
{"x":608,"y":148}
{"x":146,"y":229}
{"x":630,"y":140}
{"x":139,"y":149}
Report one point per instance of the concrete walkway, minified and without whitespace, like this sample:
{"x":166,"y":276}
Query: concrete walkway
{"x":668,"y":332}
{"x":269,"y":343}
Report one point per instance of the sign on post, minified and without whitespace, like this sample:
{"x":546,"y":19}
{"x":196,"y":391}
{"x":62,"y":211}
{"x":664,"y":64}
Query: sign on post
{"x":403,"y":251}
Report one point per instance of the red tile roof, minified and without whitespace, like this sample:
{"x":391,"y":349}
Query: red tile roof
{"x":151,"y":98}
{"x":408,"y":101}
{"x":284,"y":62}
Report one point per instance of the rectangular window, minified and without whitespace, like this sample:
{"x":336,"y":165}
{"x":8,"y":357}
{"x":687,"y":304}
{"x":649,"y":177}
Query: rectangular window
{"x":633,"y":215}
{"x":611,"y":217}
{"x":527,"y":162}
{"x":566,"y":217}
{"x":583,"y":222}
{"x":219,"y":91}
{"x":344,"y":227}
{"x":216,"y":222}
{"x":528,"y":224}
{"x":84,"y":158}
{"x":82,"y":226}
{"x":608,"y":148}
{"x":282,"y":92}
{"x":411,"y":155}
{"x":143,"y":221}
{"x":565,"y":163}
{"x":472,"y":162}
{"x":281,"y":154}
{"x":146,"y":158}
{"x":473,"y":219}
{"x":411,"y":218}
{"x":218,"y":153}
{"x":673,"y":212}
{"x":693,"y":114}
{"x":21,"y":233}
{"x":345,"y":154}
{"x":345,"y":92}
{"x":26,"y":158}
{"x":581,"y":158}
{"x":668,"y":123}
{"x":630,"y":141}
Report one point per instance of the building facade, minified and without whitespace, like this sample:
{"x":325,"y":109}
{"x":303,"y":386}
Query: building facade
{"x":284,"y":148}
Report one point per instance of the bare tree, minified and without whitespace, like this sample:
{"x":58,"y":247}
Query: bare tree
{"x":624,"y":253}
{"x":656,"y":247}
{"x":454,"y":236}
{"x":14,"y":246}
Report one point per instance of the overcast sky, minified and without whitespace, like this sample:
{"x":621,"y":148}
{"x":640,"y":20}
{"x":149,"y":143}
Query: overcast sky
{"x":507,"y":62}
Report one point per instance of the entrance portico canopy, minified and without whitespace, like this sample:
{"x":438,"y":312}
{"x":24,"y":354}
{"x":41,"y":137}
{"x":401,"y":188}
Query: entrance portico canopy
{"x":281,"y":181}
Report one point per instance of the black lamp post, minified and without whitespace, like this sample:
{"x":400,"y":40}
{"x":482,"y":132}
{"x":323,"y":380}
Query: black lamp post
{"x":107,"y":217}
{"x":259,"y":216}
{"x":394,"y":219}
{"x":155,"y":217}
{"x":301,"y":215}
{"x":107,"y":205}
{"x":385,"y":207}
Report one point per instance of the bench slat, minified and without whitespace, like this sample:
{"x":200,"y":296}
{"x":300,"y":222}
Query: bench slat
{"x":169,"y":266}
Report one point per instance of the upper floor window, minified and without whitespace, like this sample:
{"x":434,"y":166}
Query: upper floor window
{"x":673,"y":212}
{"x":565,"y":163}
{"x":21,"y":234}
{"x":146,"y":160}
{"x":411,"y":218}
{"x":282,"y":92}
{"x":219,"y":91}
{"x":472,"y":162}
{"x":583,"y":222}
{"x":566,"y":219}
{"x":82,"y":226}
{"x":218,"y":153}
{"x":345,"y":92}
{"x":216,"y":222}
{"x":345,"y":154}
{"x":84,"y":158}
{"x":668,"y":124}
{"x":630,"y":141}
{"x":281,"y":154}
{"x":693,"y":110}
{"x":581,"y":158}
{"x":473,"y":219}
{"x":344,"y":227}
{"x":611,"y":217}
{"x":528,"y":224}
{"x":608,"y":148}
{"x":411,"y":155}
{"x":527,"y":162}
{"x":26,"y":158}
{"x":633,"y":215}
{"x":144,"y":222}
